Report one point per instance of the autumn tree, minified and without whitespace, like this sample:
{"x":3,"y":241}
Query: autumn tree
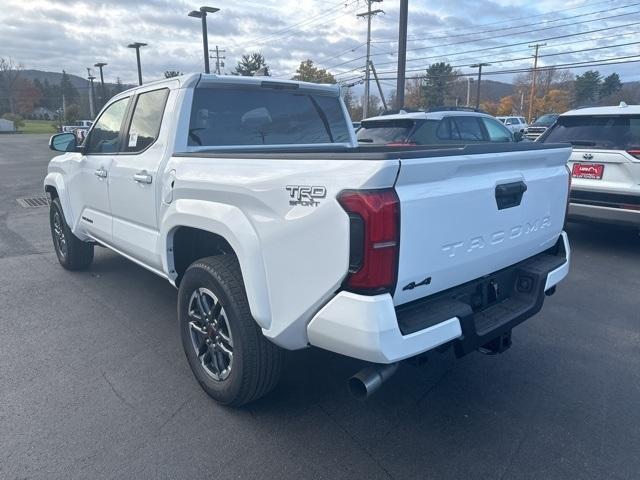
{"x":505,"y":106}
{"x":348,"y":99}
{"x":27,"y":96}
{"x":308,"y":72}
{"x":251,"y":64}
{"x":414,"y":94}
{"x":72,"y":114}
{"x":555,"y":101}
{"x":373,"y":110}
{"x":10,"y":73}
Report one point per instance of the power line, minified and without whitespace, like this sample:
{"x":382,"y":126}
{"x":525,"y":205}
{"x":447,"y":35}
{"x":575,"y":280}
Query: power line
{"x":280,"y":34}
{"x":498,"y":36}
{"x":567,"y":66}
{"x":507,"y":60}
{"x":517,"y":26}
{"x":528,"y":17}
{"x":513,"y":44}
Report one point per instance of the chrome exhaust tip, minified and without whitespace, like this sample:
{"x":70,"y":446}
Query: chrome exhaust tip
{"x":368,"y":380}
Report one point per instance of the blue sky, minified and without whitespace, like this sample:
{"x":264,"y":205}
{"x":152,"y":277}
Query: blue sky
{"x":55,"y":35}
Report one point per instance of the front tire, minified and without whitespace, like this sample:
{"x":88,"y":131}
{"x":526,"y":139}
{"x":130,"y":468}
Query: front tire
{"x":73,"y":253}
{"x":226,"y":350}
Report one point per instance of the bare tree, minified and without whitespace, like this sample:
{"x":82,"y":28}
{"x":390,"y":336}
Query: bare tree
{"x":9,"y":74}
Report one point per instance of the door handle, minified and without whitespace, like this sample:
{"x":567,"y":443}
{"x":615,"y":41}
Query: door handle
{"x":101,"y":173}
{"x":143,"y":177}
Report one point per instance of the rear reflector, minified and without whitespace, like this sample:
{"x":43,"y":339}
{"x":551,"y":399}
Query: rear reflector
{"x":374,"y":220}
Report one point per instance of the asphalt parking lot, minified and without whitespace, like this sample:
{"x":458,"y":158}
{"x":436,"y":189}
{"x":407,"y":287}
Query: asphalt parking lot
{"x":94,"y":383}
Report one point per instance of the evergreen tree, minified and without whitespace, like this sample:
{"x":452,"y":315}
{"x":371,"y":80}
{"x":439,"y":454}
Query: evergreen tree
{"x":251,"y":64}
{"x":587,"y":87}
{"x":308,"y":72}
{"x":437,"y":84}
{"x":610,"y":85}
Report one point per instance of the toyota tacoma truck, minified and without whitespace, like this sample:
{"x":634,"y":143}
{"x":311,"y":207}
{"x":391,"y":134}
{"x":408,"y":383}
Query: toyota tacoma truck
{"x":253,"y":198}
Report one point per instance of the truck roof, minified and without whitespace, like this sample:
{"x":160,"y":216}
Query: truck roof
{"x":192,"y":79}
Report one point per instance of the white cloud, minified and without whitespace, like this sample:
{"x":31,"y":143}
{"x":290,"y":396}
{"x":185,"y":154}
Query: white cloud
{"x":52,"y":35}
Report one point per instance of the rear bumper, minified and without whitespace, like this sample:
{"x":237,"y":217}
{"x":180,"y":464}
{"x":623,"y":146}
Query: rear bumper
{"x":371,"y":328}
{"x":597,"y":213}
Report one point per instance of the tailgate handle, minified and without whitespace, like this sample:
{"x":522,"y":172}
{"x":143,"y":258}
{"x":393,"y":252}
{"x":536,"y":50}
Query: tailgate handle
{"x":510,"y":194}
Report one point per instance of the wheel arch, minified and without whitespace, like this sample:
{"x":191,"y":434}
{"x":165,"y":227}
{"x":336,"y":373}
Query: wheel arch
{"x":193,"y":229}
{"x":54,"y":187}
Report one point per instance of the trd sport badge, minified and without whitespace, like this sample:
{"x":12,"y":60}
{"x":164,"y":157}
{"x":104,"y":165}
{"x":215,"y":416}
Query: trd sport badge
{"x":306,"y":195}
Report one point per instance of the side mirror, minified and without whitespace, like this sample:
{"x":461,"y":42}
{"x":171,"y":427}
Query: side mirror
{"x":518,"y":136}
{"x":63,"y":142}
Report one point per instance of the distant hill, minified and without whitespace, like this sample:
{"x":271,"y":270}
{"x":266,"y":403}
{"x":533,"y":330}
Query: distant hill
{"x":54,"y":79}
{"x":490,"y":90}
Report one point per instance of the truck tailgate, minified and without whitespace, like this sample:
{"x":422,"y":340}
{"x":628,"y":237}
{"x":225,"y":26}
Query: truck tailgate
{"x":466,"y":216}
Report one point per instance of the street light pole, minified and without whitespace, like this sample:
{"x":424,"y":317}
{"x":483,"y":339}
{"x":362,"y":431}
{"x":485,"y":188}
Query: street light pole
{"x":202,"y":15}
{"x":479,"y":67}
{"x":103,"y":95}
{"x":137,"y":46}
{"x":91,"y":78}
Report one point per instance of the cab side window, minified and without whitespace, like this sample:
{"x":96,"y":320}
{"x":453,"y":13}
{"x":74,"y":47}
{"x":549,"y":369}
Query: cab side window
{"x":146,"y":120}
{"x":105,"y":135}
{"x":497,"y":132}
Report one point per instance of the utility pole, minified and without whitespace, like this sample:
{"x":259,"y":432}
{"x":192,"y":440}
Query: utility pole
{"x":91,"y":78}
{"x":103,"y":95}
{"x":533,"y":80}
{"x":202,"y":15}
{"x":402,"y":53}
{"x":375,"y":75}
{"x":479,"y":67}
{"x":369,"y":13}
{"x":137,"y":46}
{"x":469,"y":80}
{"x":218,"y":57}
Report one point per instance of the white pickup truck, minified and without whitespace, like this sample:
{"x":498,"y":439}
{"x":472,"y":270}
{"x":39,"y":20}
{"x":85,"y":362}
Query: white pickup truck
{"x":252,"y":197}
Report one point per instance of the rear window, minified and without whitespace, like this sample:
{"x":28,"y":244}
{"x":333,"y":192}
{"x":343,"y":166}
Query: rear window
{"x":545,"y":120}
{"x":381,"y":132}
{"x":616,"y":132}
{"x":262,"y":116}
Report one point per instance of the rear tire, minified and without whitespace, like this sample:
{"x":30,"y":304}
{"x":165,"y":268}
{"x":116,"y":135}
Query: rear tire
{"x":73,"y":253}
{"x":226,"y":350}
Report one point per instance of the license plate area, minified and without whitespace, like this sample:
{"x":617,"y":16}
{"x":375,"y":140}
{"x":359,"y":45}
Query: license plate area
{"x":591,"y":171}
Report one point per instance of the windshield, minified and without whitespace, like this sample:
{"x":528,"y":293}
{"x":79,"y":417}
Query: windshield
{"x":619,"y":132}
{"x":384,"y":132}
{"x":233,"y":116}
{"x":545,"y":120}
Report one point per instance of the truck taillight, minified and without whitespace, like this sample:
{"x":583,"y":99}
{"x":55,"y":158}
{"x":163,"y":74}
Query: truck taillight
{"x":634,"y":153}
{"x":566,"y":212}
{"x":374,"y":221}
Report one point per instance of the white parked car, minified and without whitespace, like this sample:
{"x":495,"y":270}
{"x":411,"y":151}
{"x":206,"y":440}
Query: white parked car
{"x":252,"y":197}
{"x":515,"y":124}
{"x":605,"y":162}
